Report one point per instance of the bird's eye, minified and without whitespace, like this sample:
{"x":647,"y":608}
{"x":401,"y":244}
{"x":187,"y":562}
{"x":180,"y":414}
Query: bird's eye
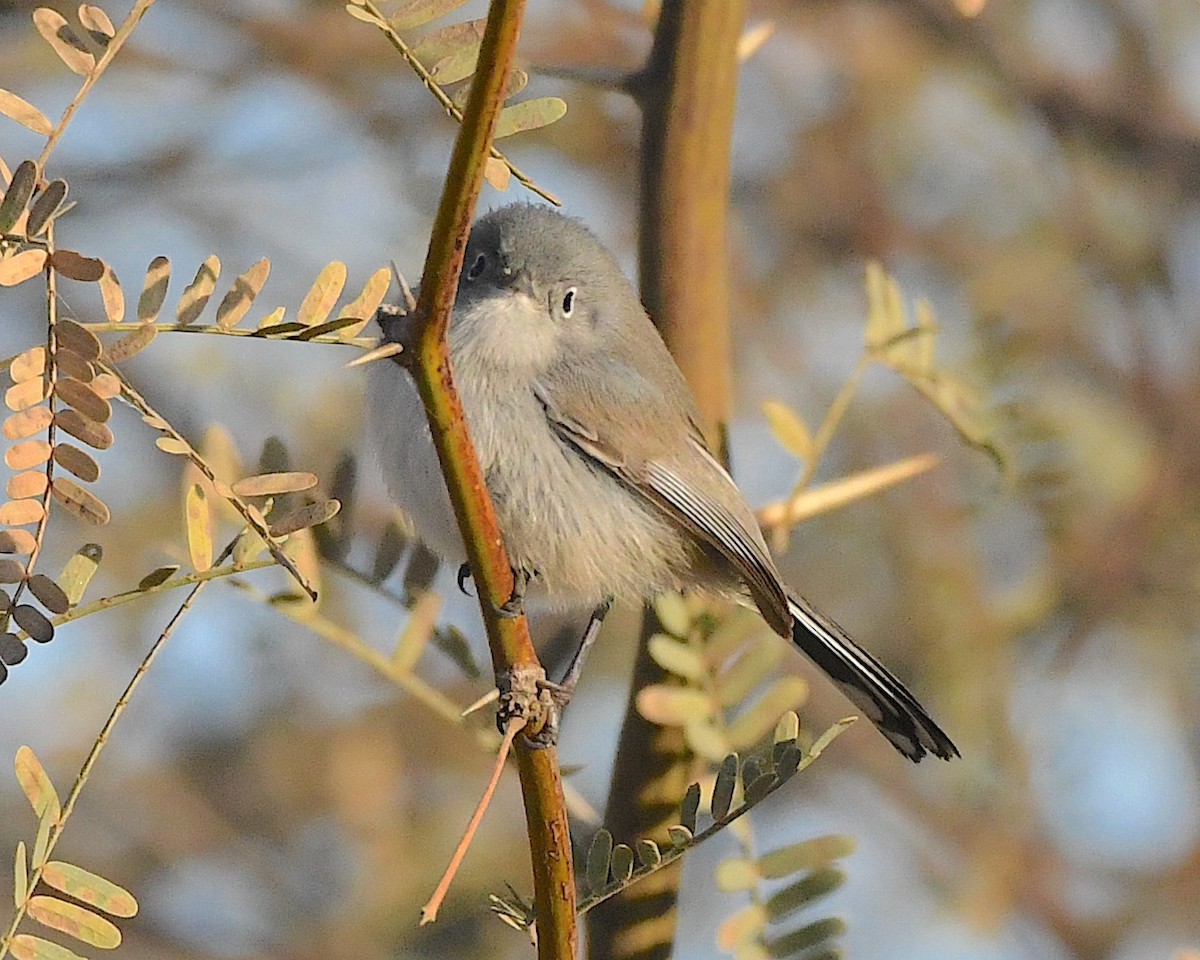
{"x":568,"y":302}
{"x":477,"y":267}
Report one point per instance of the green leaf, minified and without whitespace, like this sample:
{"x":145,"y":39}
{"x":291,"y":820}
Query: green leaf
{"x":20,"y":875}
{"x":41,"y":840}
{"x":807,"y":937}
{"x":788,"y":728}
{"x":800,"y":894}
{"x":690,"y":807}
{"x":598,"y":860}
{"x":622,"y":862}
{"x":648,"y":853}
{"x":529,"y":115}
{"x":77,"y":573}
{"x":723,"y":788}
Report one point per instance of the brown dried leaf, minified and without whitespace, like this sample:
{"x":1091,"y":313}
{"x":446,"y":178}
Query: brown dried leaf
{"x":71,"y":364}
{"x":84,"y":399}
{"x":74,"y":336}
{"x":33,"y":622}
{"x":158,"y":576}
{"x":12,"y":652}
{"x":112,"y":296}
{"x":74,"y":460}
{"x":32,"y":483}
{"x":27,"y":454}
{"x":274,"y":484}
{"x":76,"y":266}
{"x":27,"y":423}
{"x":154,"y":289}
{"x":496,"y":173}
{"x":80,"y":501}
{"x":307,"y":516}
{"x":49,"y":594}
{"x":367,"y":302}
{"x":64,"y":40}
{"x":199,"y":528}
{"x":529,"y":115}
{"x":45,"y":207}
{"x":11,"y":571}
{"x":106,"y":386}
{"x":27,"y":365}
{"x":96,"y":22}
{"x":20,"y":189}
{"x":417,"y":13}
{"x":322,"y":295}
{"x":16,"y":541}
{"x":131,"y":344}
{"x":96,"y":435}
{"x":21,"y":266}
{"x":25,"y":113}
{"x":24,"y":395}
{"x":195,"y":297}
{"x":173,"y":446}
{"x":241,"y":295}
{"x":18,"y":513}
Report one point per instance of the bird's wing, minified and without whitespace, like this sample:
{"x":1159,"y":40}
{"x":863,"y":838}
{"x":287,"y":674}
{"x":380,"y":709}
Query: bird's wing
{"x":673,"y":469}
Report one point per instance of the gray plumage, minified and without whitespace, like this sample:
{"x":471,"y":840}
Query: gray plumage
{"x":586,"y":434}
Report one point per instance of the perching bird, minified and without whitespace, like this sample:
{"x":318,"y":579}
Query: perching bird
{"x":586,"y":433}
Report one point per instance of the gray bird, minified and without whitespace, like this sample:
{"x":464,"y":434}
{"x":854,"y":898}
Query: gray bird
{"x":586,"y":433}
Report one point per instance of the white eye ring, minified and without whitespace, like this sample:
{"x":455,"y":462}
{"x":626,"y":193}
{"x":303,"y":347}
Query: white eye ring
{"x":477,"y":267}
{"x":568,"y":301}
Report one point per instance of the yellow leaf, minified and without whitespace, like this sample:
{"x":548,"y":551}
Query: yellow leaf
{"x":417,"y":13}
{"x":154,"y":289}
{"x":35,"y":783}
{"x":197,"y":294}
{"x":367,"y":302}
{"x":789,"y":429}
{"x":26,"y":947}
{"x":497,"y":173}
{"x":319,"y":301}
{"x":199,"y":528}
{"x":90,"y":888}
{"x":79,"y":922}
{"x":672,"y":706}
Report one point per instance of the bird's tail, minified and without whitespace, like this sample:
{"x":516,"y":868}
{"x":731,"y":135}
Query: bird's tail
{"x":868,"y":684}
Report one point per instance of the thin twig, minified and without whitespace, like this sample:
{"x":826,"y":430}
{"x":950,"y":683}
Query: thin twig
{"x":430,"y":910}
{"x":94,"y":754}
{"x":443,"y":98}
{"x":252,"y":518}
{"x":117,"y":41}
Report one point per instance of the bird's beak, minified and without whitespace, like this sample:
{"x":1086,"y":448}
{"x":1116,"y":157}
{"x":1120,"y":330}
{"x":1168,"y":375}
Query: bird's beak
{"x":519,"y":281}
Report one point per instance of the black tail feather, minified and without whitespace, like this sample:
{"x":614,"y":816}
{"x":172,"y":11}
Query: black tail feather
{"x":868,"y":684}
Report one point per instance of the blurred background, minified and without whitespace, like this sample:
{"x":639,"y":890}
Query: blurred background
{"x":1032,"y":169}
